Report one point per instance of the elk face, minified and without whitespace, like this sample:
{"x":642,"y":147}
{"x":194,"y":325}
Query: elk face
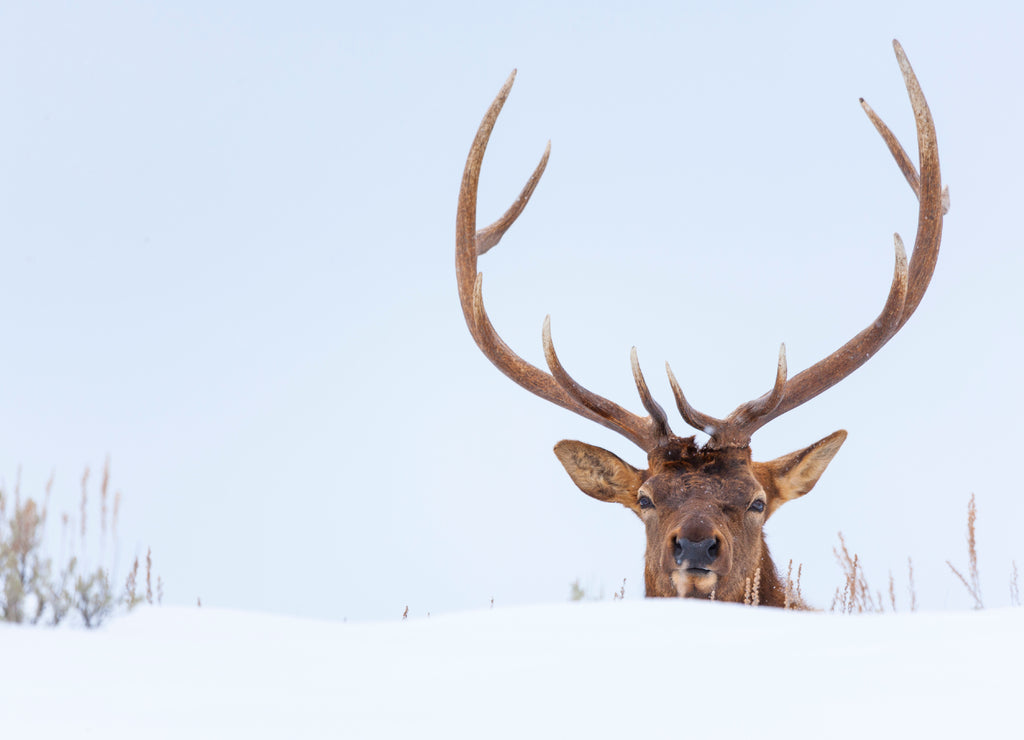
{"x":703,"y":510}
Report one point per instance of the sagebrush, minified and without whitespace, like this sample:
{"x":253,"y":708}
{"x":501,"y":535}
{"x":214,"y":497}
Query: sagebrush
{"x":36,"y":588}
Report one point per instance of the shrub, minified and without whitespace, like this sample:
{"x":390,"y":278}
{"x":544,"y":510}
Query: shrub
{"x":34,"y":590}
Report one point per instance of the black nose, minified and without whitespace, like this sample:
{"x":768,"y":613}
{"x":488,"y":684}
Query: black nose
{"x":695,"y":554}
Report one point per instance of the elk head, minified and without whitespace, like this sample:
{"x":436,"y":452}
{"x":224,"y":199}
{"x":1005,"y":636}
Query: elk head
{"x":704,"y":507}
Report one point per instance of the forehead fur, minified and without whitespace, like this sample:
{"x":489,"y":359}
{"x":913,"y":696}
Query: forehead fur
{"x":683,"y":454}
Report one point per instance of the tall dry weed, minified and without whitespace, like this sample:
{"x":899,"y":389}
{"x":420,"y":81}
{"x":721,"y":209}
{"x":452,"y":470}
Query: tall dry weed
{"x":971,"y":581}
{"x":911,"y":589}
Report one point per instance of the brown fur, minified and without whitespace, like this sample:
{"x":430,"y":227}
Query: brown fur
{"x":702,"y":494}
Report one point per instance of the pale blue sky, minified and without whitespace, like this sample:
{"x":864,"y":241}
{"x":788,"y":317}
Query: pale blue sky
{"x":227,"y":239}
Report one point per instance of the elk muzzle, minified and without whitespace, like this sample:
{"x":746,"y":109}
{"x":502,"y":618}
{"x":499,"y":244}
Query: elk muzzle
{"x":699,"y":559}
{"x":695,"y":555}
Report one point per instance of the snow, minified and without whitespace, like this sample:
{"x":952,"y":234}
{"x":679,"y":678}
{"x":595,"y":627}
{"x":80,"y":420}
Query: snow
{"x":609,"y":669}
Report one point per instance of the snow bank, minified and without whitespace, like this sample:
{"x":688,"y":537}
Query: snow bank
{"x":610,"y":669}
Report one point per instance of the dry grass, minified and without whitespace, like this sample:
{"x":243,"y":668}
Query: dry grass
{"x":752,"y":590}
{"x":793,"y":598}
{"x":911,"y":590}
{"x":620,"y":595}
{"x":856,"y":596}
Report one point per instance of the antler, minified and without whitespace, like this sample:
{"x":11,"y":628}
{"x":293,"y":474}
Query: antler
{"x":558,"y":386}
{"x":908,"y":287}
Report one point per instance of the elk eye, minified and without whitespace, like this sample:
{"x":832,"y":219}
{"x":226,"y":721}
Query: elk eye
{"x":645,"y":502}
{"x":757,"y":505}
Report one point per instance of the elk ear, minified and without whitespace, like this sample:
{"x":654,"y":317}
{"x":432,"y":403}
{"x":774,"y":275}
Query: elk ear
{"x":791,"y":476}
{"x":599,"y":473}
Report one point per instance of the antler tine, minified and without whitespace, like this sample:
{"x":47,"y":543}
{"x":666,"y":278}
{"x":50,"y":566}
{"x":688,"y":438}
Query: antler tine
{"x":906,"y":165}
{"x":904,"y":162}
{"x":769,"y":401}
{"x":692,"y":416}
{"x":491,"y":235}
{"x":469,"y":244}
{"x":658,"y":415}
{"x":645,"y":432}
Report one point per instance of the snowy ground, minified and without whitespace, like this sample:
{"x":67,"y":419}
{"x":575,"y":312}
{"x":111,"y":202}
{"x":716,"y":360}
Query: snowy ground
{"x":609,"y":669}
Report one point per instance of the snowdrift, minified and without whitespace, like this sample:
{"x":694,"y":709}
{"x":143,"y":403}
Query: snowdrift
{"x":605,"y":670}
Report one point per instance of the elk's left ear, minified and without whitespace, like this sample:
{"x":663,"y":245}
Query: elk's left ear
{"x":791,"y":476}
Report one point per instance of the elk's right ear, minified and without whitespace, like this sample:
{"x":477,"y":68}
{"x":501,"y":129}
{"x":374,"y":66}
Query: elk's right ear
{"x":599,"y":473}
{"x":791,"y":476}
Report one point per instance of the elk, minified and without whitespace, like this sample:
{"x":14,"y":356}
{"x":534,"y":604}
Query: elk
{"x":703,"y":507}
